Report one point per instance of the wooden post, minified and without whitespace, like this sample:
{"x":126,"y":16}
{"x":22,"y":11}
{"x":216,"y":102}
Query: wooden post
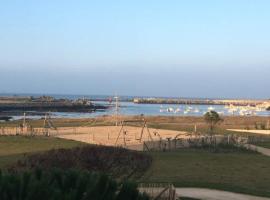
{"x":142,"y":131}
{"x":124,"y":138}
{"x":169,"y":144}
{"x":119,"y":134}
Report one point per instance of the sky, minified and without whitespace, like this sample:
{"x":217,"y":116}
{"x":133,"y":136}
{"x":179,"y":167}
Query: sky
{"x":179,"y":48}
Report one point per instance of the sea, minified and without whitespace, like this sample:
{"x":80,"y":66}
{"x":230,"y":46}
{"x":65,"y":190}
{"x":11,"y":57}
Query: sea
{"x":127,"y":107}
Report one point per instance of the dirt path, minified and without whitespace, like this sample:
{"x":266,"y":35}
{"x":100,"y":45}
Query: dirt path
{"x":261,"y":150}
{"x":211,"y":194}
{"x":265,"y":132}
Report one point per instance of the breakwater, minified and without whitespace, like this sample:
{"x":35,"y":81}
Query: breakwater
{"x":234,"y":102}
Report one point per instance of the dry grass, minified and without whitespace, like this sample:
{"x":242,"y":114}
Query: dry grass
{"x":241,"y":122}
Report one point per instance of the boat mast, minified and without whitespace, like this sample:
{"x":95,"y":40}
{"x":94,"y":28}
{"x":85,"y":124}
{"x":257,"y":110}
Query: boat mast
{"x":116,"y":109}
{"x":24,"y":121}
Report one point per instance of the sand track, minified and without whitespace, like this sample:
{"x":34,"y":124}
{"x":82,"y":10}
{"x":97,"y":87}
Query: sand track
{"x":211,"y":194}
{"x":264,"y":132}
{"x":262,"y":150}
{"x":107,"y":135}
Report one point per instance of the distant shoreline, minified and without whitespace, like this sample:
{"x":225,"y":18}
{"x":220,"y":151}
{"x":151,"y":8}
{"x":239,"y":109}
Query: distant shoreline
{"x":128,"y":98}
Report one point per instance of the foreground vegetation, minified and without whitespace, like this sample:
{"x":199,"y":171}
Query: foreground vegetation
{"x":241,"y":171}
{"x":117,"y":162}
{"x":225,"y":168}
{"x":65,"y":185}
{"x":13,"y":148}
{"x":265,"y":144}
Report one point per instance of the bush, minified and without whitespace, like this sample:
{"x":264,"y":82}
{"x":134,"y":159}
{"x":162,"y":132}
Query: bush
{"x":65,"y":185}
{"x":117,"y":162}
{"x":212,"y":118}
{"x":263,"y":126}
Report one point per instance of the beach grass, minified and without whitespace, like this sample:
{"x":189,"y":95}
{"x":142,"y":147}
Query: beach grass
{"x":177,"y":123}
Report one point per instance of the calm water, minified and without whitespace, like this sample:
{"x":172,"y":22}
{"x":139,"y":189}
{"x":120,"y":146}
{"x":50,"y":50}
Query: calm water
{"x":129,"y":108}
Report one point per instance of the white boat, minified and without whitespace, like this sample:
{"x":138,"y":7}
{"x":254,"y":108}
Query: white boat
{"x":177,"y":110}
{"x":196,"y":110}
{"x":170,"y":109}
{"x":242,"y":112}
{"x":211,"y":108}
{"x":186,"y":112}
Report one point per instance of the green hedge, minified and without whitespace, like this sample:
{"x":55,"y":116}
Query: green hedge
{"x":119,"y":163}
{"x":65,"y":185}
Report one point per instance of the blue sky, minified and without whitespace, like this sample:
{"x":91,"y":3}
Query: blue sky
{"x":188,"y":48}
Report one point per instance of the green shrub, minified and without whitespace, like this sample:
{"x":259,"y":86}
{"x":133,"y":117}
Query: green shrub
{"x":65,"y":185}
{"x":117,"y":162}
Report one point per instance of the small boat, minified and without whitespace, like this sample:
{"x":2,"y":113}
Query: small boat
{"x":210,"y":108}
{"x":177,"y":110}
{"x":170,"y":109}
{"x":196,"y":110}
{"x":221,"y":113}
{"x":187,"y":110}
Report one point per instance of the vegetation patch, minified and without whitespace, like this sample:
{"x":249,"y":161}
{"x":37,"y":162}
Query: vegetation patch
{"x":263,"y":141}
{"x":265,"y":144}
{"x":230,"y":171}
{"x":65,"y":184}
{"x":14,"y":147}
{"x":118,"y":162}
{"x":223,"y":148}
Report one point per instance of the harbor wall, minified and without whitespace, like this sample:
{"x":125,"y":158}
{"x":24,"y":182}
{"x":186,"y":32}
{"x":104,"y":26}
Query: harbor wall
{"x":235,"y":102}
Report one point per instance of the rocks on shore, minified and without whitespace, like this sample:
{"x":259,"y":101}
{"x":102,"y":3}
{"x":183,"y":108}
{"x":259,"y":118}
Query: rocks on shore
{"x":5,"y":118}
{"x":46,"y":104}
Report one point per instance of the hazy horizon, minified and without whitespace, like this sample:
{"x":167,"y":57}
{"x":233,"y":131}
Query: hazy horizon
{"x":203,"y":49}
{"x":58,"y":95}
